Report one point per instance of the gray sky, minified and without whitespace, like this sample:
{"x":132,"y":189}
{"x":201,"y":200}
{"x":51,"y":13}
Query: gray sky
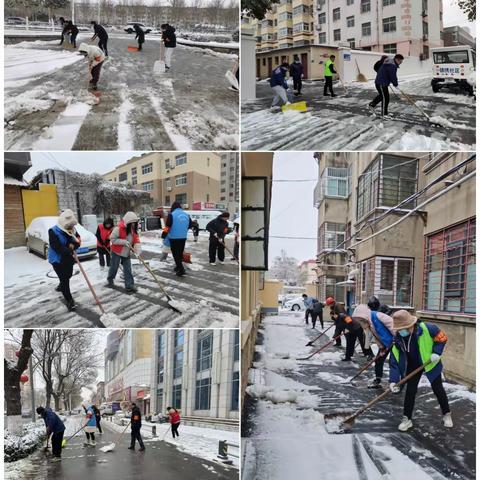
{"x":292,"y":212}
{"x":85,"y":162}
{"x":452,"y":15}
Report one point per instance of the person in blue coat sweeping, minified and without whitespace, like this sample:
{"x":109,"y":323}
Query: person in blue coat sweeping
{"x":416,"y":343}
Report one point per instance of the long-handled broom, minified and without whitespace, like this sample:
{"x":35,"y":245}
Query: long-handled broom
{"x":90,"y":286}
{"x":381,"y":353}
{"x":322,"y":348}
{"x":311,"y":342}
{"x":111,"y":446}
{"x":66,"y":440}
{"x":227,"y":249}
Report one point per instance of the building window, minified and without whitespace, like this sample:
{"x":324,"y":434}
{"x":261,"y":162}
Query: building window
{"x":351,"y":21}
{"x":159,"y":399}
{"x":301,"y":27}
{"x":334,"y":182}
{"x":284,"y":16}
{"x":332,"y":289}
{"x":337,"y":35}
{"x":134,"y":171}
{"x":148,"y":168}
{"x":181,"y":198}
{"x":284,"y":32}
{"x":167,"y":200}
{"x":177,"y":396}
{"x":123,"y":177}
{"x":322,"y":18}
{"x":161,"y":355}
{"x":351,"y":42}
{"x":181,"y":159}
{"x":179,"y":338}
{"x":178,"y":364}
{"x":134,"y":181}
{"x":181,"y":179}
{"x":236,"y":345}
{"x":386,"y":3}
{"x":331,"y":235}
{"x":147,"y":186}
{"x":235,"y":391}
{"x":350,"y":2}
{"x":389,"y":25}
{"x":322,"y":38}
{"x":390,"y":48}
{"x":365,"y":6}
{"x":301,"y":9}
{"x":204,"y":352}
{"x":202,"y":394}
{"x":450,"y":268}
{"x":366,"y":29}
{"x":167,"y":164}
{"x":386,"y":182}
{"x":336,"y":14}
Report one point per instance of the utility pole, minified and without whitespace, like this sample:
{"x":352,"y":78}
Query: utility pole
{"x":73,"y":11}
{"x":32,"y":389}
{"x":98,"y":12}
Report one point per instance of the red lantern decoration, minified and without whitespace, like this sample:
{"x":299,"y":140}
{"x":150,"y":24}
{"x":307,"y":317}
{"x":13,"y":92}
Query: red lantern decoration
{"x":17,"y":353}
{"x":24,"y":378}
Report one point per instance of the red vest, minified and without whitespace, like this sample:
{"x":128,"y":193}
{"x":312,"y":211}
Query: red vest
{"x":104,"y":234}
{"x":122,"y":234}
{"x":174,"y":417}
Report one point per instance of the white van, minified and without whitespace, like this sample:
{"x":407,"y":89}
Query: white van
{"x":454,"y":67}
{"x":205,"y":216}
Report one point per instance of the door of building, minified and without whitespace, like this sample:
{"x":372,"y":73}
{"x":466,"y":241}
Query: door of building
{"x":258,"y":68}
{"x":304,"y":60}
{"x":269,"y":66}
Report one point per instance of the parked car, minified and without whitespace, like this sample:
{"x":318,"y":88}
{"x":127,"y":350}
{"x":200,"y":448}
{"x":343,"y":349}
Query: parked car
{"x":36,"y":236}
{"x":129,"y":27}
{"x":15,"y":21}
{"x":295,"y":304}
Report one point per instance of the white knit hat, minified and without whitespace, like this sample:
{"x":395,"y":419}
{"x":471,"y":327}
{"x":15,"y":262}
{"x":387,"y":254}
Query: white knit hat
{"x":67,"y":219}
{"x":130,"y":217}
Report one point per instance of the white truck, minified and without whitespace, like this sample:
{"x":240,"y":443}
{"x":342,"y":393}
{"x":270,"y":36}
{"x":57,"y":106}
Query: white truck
{"x":454,"y":68}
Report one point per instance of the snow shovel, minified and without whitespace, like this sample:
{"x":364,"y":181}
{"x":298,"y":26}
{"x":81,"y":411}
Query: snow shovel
{"x":322,"y":348}
{"x":340,"y":426}
{"x":298,"y":106}
{"x":111,"y":446}
{"x":412,"y":102}
{"x":100,"y":306}
{"x":382,"y":353}
{"x":310,"y":344}
{"x":228,"y":250}
{"x":360,"y":77}
{"x":132,"y":48}
{"x":169,"y":298}
{"x":232,"y":79}
{"x":66,"y":440}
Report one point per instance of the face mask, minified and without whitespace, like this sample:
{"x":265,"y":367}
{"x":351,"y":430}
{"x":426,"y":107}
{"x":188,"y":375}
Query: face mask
{"x":404,"y":332}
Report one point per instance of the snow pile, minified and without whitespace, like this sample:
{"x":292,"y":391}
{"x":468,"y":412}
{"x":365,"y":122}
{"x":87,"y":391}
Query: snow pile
{"x":303,"y":399}
{"x":447,"y":123}
{"x":20,"y":446}
{"x":22,"y":65}
{"x":110,"y":320}
{"x":420,"y":143}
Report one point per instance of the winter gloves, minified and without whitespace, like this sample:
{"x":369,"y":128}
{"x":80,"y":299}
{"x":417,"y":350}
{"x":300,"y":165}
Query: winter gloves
{"x":434,"y":358}
{"x":394,"y":388}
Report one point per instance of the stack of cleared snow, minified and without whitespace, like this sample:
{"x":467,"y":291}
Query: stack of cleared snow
{"x":20,"y":446}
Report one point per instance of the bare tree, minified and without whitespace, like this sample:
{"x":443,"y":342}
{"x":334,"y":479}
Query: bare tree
{"x":285,"y":268}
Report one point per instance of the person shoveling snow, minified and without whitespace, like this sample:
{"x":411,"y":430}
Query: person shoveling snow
{"x":96,"y":57}
{"x":55,"y":430}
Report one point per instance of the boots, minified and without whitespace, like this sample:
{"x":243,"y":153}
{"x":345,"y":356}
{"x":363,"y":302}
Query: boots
{"x":375,"y":383}
{"x":447,"y":420}
{"x":406,"y":424}
{"x":71,"y":305}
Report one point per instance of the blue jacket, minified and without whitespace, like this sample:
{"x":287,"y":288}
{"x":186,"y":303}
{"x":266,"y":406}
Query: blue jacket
{"x":309,"y":301}
{"x":52,"y":421}
{"x":180,"y":224}
{"x":58,"y":251}
{"x":277,"y":78}
{"x":387,"y":73}
{"x":399,"y":370}
{"x":382,"y":332}
{"x":92,"y":422}
{"x":296,"y":70}
{"x":166,"y":241}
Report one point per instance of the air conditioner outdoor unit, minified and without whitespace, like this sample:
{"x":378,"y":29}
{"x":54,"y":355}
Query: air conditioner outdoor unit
{"x":169,"y":189}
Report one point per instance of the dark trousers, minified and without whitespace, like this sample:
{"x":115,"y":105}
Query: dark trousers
{"x":315,"y":317}
{"x":102,"y":254}
{"x":412,"y":386}
{"x":297,"y":84}
{"x":236,"y":248}
{"x":99,"y":427}
{"x":136,"y":435}
{"x":308,"y":313}
{"x":57,"y":439}
{"x":64,"y":272}
{"x":175,"y":429}
{"x":383,"y":97}
{"x":379,"y":366}
{"x":73,"y":39}
{"x":338,"y":331}
{"x":96,"y":73}
{"x":216,"y":247}
{"x":90,"y":436}
{"x":328,"y":85}
{"x":141,"y":41}
{"x":352,"y":338}
{"x":177,"y":246}
{"x":102,"y":44}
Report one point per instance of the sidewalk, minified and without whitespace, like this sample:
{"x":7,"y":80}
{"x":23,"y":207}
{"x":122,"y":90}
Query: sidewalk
{"x":284,"y":430}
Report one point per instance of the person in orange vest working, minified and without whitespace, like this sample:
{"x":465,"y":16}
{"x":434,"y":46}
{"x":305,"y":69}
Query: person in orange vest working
{"x":416,"y":343}
{"x":63,"y":240}
{"x":123,"y":237}
{"x":330,"y":302}
{"x":136,"y":428}
{"x":381,"y":327}
{"x":353,"y":332}
{"x":174,"y":415}
{"x":103,"y":233}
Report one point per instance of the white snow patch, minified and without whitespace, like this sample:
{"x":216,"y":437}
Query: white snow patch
{"x":110,"y":320}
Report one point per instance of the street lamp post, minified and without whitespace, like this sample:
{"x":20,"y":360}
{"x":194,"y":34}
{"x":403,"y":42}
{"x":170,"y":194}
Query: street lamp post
{"x":73,"y":12}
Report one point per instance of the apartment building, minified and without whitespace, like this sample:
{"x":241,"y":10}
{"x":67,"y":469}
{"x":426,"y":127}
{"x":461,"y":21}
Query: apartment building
{"x":128,"y":367}
{"x":198,"y":372}
{"x":409,"y":27}
{"x":257,"y":174}
{"x":230,"y":181}
{"x":173,"y":176}
{"x":376,"y":236}
{"x":458,"y":36}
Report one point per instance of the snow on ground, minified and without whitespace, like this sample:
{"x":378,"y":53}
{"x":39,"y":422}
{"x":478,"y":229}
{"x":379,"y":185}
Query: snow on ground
{"x":284,"y":438}
{"x":200,"y":442}
{"x":345,"y":123}
{"x":190,"y":106}
{"x":207,"y":296}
